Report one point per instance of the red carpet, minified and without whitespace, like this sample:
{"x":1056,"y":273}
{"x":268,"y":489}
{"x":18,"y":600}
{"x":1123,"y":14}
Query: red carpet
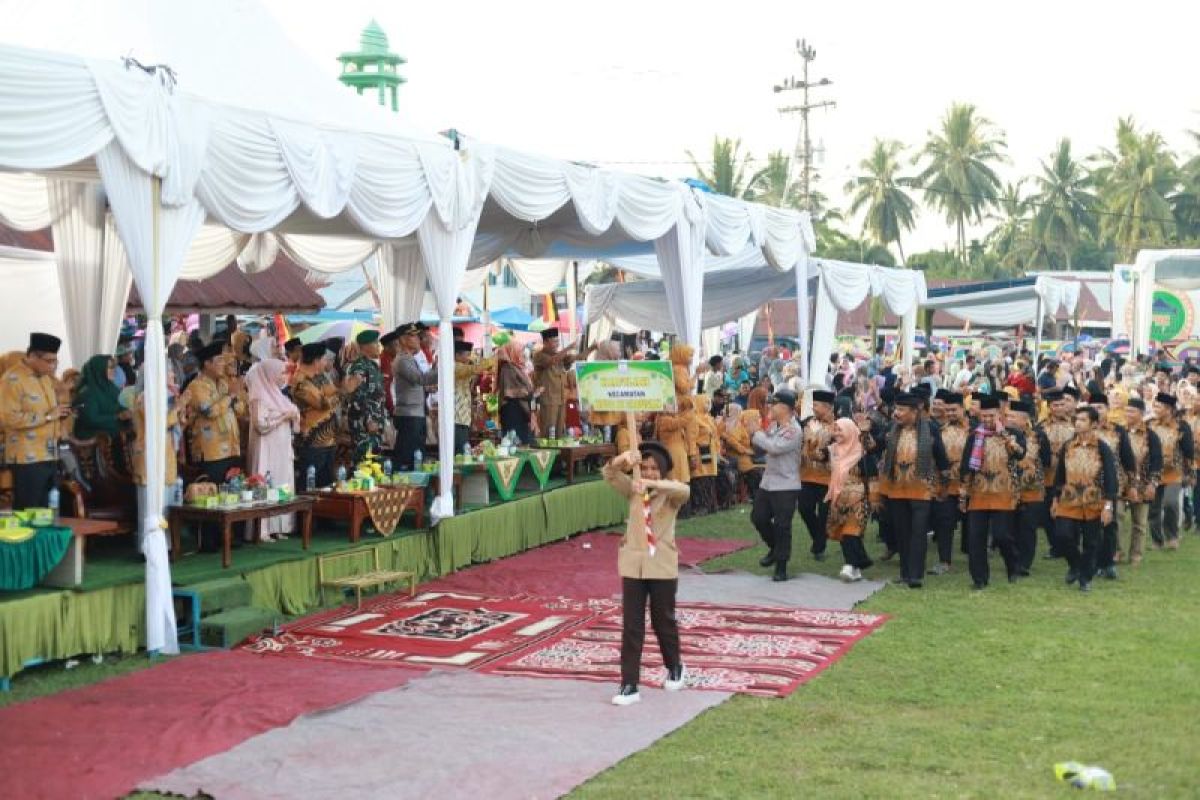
{"x":433,"y":629}
{"x":102,"y":740}
{"x":759,"y":651}
{"x":582,"y":567}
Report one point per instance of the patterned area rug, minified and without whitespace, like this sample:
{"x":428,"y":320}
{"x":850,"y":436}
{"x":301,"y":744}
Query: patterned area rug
{"x":751,"y":650}
{"x":432,"y":629}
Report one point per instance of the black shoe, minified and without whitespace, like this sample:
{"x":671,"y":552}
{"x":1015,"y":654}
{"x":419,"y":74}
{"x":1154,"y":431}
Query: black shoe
{"x":1014,"y":577}
{"x":1072,"y":576}
{"x":1085,"y":587}
{"x":768,"y":559}
{"x":780,"y":572}
{"x":1110,"y":573}
{"x":899,"y":581}
{"x":819,"y":556}
{"x":1024,"y":573}
{"x":979,"y":587}
{"x":915,"y":585}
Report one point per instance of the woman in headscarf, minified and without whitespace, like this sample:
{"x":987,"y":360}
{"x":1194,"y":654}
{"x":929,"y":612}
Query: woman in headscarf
{"x":708,"y":445}
{"x":853,"y":491}
{"x":737,"y":442}
{"x":516,"y":392}
{"x":96,"y":398}
{"x":273,"y":420}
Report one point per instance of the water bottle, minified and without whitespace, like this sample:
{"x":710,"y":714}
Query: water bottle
{"x":552,"y":432}
{"x":53,"y":501}
{"x":467,"y":449}
{"x":387,"y":467}
{"x":310,"y":479}
{"x":418,"y":458}
{"x":270,"y":481}
{"x":177,"y":493}
{"x":341,"y":473}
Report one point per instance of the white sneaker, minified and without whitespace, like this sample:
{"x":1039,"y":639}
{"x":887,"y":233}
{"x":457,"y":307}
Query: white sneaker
{"x":627,"y":696}
{"x":847,"y":574}
{"x":674,"y":684}
{"x":855,"y":575}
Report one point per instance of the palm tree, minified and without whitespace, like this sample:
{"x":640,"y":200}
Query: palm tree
{"x":769,"y":185}
{"x":889,"y":209}
{"x":1009,"y":240}
{"x":1064,"y":205}
{"x":1185,"y":203}
{"x":1134,"y":182}
{"x":726,"y":174}
{"x":958,"y":175}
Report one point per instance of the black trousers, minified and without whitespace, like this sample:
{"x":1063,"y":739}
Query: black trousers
{"x":854,"y":552}
{"x":813,"y":509}
{"x":946,"y":520}
{"x":514,"y":416}
{"x":410,"y":437}
{"x":772,"y":517}
{"x":1106,"y":554}
{"x":998,"y":525}
{"x":32,"y":484}
{"x":752,"y":478}
{"x":320,"y":458}
{"x":1029,"y":519}
{"x":1079,"y":543}
{"x":886,"y":534}
{"x":661,"y":594}
{"x":1048,"y":524}
{"x":910,"y":525}
{"x":209,"y":535}
{"x":462,"y":437}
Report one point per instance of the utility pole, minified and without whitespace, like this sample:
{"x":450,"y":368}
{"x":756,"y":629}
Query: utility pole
{"x":803,"y":150}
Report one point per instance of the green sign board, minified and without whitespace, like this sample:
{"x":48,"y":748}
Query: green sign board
{"x":625,"y":385}
{"x":1169,"y":317}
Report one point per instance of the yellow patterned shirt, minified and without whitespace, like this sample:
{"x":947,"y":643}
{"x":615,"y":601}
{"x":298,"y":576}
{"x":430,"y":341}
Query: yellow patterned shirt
{"x":213,"y":429}
{"x":27,"y":403}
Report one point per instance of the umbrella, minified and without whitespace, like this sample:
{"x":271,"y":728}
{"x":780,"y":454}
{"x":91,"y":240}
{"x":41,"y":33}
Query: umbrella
{"x":1118,"y":346}
{"x":343,"y":329}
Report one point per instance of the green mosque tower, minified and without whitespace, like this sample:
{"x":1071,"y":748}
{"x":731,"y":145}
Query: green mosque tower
{"x":373,"y":66}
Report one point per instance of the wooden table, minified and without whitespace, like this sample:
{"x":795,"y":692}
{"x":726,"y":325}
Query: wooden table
{"x":580,"y":452}
{"x":352,"y":508}
{"x":69,"y":572}
{"x":228,"y":517}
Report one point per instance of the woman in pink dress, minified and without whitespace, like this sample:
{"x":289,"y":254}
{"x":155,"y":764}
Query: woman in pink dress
{"x":273,"y":420}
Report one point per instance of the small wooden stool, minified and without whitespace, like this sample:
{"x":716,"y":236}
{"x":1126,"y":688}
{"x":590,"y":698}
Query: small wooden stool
{"x":376,"y":578}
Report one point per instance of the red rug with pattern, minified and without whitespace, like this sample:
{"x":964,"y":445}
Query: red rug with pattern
{"x":433,"y":629}
{"x":752,"y":650}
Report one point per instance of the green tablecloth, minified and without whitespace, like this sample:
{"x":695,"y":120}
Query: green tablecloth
{"x":24,"y":564}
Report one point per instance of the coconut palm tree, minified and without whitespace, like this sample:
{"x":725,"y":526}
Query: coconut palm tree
{"x":726,"y":173}
{"x":1134,"y":182}
{"x":1186,"y":202}
{"x":1010,"y":239}
{"x":1064,"y":205}
{"x":770,"y":184}
{"x":958,"y":173}
{"x":889,"y":210}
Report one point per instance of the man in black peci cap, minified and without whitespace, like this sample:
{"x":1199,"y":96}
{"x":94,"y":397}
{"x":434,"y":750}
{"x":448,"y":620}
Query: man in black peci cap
{"x":1059,"y":430}
{"x":550,"y":375}
{"x":33,"y":420}
{"x":1178,"y":459}
{"x":409,"y":384}
{"x":818,"y":433}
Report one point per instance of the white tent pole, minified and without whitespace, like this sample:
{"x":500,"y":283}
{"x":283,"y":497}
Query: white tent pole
{"x":1037,"y":339}
{"x":803,"y":339}
{"x":487,"y":314}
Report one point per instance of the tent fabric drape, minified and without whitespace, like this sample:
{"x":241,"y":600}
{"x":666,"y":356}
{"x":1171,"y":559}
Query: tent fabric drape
{"x":1010,"y":303}
{"x":844,"y":286}
{"x":539,"y":276}
{"x":24,"y":202}
{"x":93,"y":275}
{"x":156,"y":239}
{"x":402,"y":281}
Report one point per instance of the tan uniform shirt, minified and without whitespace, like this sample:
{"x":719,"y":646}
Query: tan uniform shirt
{"x":550,"y":375}
{"x":634,"y":559}
{"x":27,"y":403}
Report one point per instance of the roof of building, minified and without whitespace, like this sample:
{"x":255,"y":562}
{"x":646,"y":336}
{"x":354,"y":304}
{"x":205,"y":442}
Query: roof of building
{"x":281,"y":288}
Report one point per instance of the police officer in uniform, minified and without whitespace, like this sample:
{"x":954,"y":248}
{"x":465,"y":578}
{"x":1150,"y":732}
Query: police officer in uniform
{"x":775,"y":500}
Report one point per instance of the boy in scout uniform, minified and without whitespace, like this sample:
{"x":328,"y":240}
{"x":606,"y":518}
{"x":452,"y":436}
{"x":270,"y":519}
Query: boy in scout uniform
{"x":32,"y":421}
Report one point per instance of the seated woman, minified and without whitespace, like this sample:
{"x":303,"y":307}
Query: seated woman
{"x":648,"y":562}
{"x":96,"y":400}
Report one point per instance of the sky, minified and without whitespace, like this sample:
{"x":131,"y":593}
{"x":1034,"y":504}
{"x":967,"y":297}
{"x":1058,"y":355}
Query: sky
{"x":635,"y":85}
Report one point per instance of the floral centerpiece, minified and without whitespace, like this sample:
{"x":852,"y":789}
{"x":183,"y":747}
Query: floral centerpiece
{"x":368,"y":473}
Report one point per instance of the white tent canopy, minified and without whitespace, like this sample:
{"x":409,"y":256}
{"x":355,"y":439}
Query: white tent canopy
{"x":232,"y":150}
{"x":843,"y":286}
{"x":1174,"y":269}
{"x":1006,"y":303}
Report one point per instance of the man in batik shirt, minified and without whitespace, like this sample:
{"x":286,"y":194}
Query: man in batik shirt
{"x":1085,"y":489}
{"x":1059,"y":429}
{"x":366,"y":407}
{"x":1178,"y":456}
{"x":1117,"y":440}
{"x":814,"y":469}
{"x":1032,"y":478}
{"x":947,"y":516}
{"x":1141,"y":482}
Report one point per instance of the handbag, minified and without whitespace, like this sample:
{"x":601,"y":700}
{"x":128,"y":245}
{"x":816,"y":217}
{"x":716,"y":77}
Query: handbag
{"x":198,"y":489}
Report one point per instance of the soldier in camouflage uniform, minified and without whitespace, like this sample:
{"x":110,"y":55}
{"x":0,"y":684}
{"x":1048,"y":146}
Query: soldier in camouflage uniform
{"x":366,"y":409}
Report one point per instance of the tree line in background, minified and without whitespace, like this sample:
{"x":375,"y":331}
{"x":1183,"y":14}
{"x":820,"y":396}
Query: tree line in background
{"x":1076,"y":212}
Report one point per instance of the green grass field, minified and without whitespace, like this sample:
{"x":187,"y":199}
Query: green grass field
{"x":960,"y":694}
